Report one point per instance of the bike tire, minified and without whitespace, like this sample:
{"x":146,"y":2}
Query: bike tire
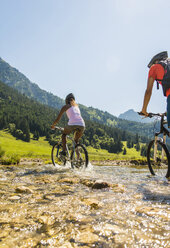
{"x":79,"y":157}
{"x":55,"y":155}
{"x":160,"y":167}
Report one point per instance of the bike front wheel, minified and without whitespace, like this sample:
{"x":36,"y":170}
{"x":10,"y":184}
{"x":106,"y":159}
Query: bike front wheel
{"x":79,"y":157}
{"x":56,"y":156}
{"x":158,"y":161}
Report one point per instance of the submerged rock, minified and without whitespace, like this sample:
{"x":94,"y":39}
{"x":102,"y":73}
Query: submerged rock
{"x":15,"y":197}
{"x":46,"y":219}
{"x":87,"y":182}
{"x":66,"y":245}
{"x":69,"y":180}
{"x":87,"y":237}
{"x":23,"y":189}
{"x":93,"y":203}
{"x":100,"y":185}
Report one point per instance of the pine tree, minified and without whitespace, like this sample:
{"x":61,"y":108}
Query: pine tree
{"x":136,"y":139}
{"x":36,"y":135}
{"x":137,"y":147}
{"x":143,"y":150}
{"x":26,"y":130}
{"x":124,"y":151}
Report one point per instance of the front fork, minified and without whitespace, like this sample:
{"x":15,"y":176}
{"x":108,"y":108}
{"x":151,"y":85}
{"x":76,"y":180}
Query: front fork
{"x":156,"y":147}
{"x":76,"y":151}
{"x":67,"y":151}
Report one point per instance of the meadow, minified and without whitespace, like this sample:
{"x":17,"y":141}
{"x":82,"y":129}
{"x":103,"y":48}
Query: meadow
{"x":42,"y":149}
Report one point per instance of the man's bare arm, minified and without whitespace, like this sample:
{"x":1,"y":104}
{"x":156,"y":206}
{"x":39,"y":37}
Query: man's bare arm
{"x":147,"y":95}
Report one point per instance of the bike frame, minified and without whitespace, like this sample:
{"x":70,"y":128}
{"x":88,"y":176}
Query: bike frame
{"x":73,"y":147}
{"x":73,"y":142}
{"x":163,"y":131}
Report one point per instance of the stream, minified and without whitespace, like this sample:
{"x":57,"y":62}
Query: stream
{"x":103,"y":207}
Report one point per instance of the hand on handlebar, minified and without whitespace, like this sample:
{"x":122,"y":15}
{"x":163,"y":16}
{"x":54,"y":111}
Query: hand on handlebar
{"x":52,"y":127}
{"x":150,"y":115}
{"x":143,"y":114}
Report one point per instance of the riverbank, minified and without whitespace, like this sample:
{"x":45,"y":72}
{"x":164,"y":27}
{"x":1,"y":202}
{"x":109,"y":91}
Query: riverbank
{"x":131,"y":162}
{"x":39,"y":162}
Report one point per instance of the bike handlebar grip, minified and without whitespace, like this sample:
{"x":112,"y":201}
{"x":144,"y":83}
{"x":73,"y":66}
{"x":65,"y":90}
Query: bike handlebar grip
{"x":149,"y":114}
{"x":140,"y":113}
{"x":59,"y":128}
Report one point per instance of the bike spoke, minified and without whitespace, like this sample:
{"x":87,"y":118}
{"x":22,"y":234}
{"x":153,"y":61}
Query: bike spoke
{"x":79,"y":158}
{"x":57,"y":157}
{"x":158,"y":160}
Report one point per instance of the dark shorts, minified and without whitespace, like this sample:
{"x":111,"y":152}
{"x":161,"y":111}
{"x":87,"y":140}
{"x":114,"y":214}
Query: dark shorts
{"x":73,"y":128}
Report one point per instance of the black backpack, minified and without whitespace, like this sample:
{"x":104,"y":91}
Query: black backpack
{"x":166,"y":79}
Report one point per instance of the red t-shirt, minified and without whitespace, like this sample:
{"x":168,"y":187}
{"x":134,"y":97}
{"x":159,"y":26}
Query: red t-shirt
{"x":157,"y":72}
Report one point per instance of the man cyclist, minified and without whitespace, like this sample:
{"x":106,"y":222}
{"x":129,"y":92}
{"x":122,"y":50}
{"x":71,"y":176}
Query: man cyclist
{"x":156,"y":72}
{"x":76,"y":123}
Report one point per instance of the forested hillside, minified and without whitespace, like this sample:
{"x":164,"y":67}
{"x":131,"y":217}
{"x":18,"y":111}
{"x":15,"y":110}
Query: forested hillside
{"x":18,"y":81}
{"x":22,"y":115}
{"x":12,"y":77}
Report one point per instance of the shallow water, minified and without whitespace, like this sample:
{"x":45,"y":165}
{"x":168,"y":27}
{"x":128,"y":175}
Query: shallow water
{"x":44,"y":206}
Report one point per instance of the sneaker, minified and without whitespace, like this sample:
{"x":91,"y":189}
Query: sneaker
{"x":63,"y":153}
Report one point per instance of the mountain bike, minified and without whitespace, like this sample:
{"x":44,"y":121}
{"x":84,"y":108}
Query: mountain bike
{"x":158,"y":156}
{"x":76,"y":154}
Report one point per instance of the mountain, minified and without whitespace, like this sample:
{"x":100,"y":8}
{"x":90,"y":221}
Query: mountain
{"x":15,"y":79}
{"x":131,"y":115}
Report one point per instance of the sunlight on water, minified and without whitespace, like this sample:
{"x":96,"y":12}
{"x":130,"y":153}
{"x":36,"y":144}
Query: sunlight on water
{"x":48,"y":206}
{"x":68,"y":166}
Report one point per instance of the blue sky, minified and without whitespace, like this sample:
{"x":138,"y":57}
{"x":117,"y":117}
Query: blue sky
{"x":97,"y":49}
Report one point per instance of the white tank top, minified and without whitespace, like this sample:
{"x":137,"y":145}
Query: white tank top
{"x":74,"y":116}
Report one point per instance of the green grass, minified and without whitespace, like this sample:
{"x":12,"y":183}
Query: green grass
{"x":101,"y":154}
{"x":32,"y":149}
{"x":42,"y":149}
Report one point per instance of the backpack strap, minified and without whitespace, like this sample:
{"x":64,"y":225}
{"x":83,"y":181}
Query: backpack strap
{"x":166,"y":79}
{"x":164,"y":64}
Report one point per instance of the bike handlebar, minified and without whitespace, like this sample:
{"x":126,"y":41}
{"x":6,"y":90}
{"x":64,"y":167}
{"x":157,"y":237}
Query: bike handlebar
{"x":150,"y":115}
{"x":59,"y":128}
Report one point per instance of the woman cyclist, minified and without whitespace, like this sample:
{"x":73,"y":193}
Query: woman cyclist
{"x":76,"y":123}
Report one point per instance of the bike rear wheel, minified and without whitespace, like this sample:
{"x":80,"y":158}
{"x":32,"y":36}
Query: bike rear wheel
{"x":79,"y":157}
{"x":159,"y":166}
{"x":56,"y":157}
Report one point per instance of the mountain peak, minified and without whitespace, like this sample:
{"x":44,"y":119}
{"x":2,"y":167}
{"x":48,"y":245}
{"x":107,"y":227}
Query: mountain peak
{"x":132,"y":115}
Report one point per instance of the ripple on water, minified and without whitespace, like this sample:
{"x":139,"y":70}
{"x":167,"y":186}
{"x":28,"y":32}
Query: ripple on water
{"x":63,"y":210}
